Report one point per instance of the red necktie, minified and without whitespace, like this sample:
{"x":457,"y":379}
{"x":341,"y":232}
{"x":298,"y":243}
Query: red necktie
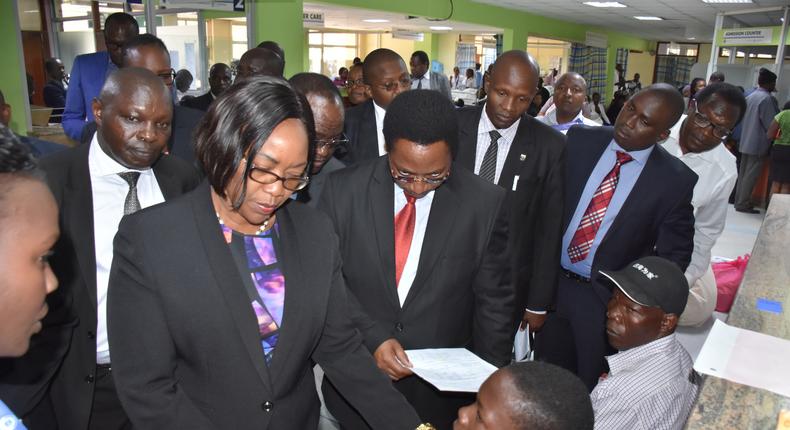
{"x":404,"y":230}
{"x":591,"y":220}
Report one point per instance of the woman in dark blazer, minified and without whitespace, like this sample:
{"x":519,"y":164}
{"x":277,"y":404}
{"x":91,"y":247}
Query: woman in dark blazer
{"x":221,"y":300}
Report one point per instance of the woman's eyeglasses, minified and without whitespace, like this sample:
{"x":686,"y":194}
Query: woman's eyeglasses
{"x":266,"y":177}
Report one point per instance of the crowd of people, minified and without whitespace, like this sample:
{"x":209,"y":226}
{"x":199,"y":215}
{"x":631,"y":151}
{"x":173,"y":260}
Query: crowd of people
{"x":193,"y":259}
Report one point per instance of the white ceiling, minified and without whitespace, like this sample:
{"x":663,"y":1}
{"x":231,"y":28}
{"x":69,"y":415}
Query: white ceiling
{"x":683,"y":19}
{"x":347,"y":18}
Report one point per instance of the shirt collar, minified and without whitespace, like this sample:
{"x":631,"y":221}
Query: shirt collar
{"x":551,"y":117}
{"x":486,"y":125}
{"x":631,"y":357}
{"x":101,"y":164}
{"x":640,"y":156}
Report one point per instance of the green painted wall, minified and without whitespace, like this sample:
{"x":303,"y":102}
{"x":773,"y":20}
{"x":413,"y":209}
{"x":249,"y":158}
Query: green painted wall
{"x":12,"y":80}
{"x":281,"y":20}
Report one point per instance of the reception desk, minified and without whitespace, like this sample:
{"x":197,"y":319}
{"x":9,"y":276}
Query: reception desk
{"x":727,"y":405}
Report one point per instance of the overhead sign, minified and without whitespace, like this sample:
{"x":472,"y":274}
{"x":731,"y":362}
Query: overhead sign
{"x":596,"y":40}
{"x":313,"y":18}
{"x":226,"y":5}
{"x":407,"y":35}
{"x":747,"y":36}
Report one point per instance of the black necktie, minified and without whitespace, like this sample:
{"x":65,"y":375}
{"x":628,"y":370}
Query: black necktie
{"x":488,"y":167}
{"x":131,"y":204}
{"x":419,"y":84}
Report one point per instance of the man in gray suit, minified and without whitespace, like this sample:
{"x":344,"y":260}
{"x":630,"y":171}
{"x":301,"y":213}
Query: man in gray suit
{"x":423,"y":79}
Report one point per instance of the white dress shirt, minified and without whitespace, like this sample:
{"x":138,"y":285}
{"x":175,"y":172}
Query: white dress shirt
{"x":503,"y":144}
{"x":652,"y":386}
{"x":109,"y":194}
{"x":717,"y":174}
{"x":380,"y":112}
{"x":426,"y":82}
{"x":422,"y":208}
{"x":551,"y":119}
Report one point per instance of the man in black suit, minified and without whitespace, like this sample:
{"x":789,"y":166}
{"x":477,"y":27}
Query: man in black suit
{"x":219,"y":79}
{"x":95,"y":185}
{"x":385,"y":75}
{"x":527,"y":160}
{"x":424,"y":247}
{"x":149,"y":52}
{"x":625,"y":198}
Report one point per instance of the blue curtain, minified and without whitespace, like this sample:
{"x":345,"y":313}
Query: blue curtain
{"x":465,"y":57}
{"x":589,"y":62}
{"x":675,"y":71}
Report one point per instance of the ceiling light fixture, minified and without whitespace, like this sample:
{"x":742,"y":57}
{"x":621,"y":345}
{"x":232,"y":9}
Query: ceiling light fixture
{"x":375,"y":20}
{"x":649,"y":18}
{"x":604,"y":4}
{"x":727,"y":1}
{"x":440,"y":28}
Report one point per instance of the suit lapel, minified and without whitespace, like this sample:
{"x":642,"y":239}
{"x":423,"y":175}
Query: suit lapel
{"x":228,"y":280}
{"x":369,"y":133}
{"x":577,"y":180}
{"x":444,"y":209}
{"x":382,"y":206}
{"x":168,"y":183}
{"x":78,"y":213}
{"x":518,"y":148}
{"x":467,"y":138}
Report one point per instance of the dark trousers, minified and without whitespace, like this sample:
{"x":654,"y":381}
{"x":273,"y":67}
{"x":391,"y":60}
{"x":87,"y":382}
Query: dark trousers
{"x":574,"y":337}
{"x":106,"y":411}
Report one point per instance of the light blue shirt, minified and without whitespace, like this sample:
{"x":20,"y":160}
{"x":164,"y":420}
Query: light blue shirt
{"x":9,"y":421}
{"x":629,"y":173}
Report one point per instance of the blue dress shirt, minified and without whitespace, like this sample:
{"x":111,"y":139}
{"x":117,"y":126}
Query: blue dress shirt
{"x":629,"y":173}
{"x":9,"y":421}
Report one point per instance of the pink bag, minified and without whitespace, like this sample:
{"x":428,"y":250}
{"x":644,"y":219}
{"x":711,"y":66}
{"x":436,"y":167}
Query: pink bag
{"x":728,"y":278}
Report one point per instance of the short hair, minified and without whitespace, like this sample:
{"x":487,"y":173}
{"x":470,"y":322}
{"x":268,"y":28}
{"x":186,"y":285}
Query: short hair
{"x":729,"y":93}
{"x":786,"y":106}
{"x":315,"y":83}
{"x":550,"y":397}
{"x":340,"y":71}
{"x":121,"y":19}
{"x":520,"y":56}
{"x":274,"y":47}
{"x":273,"y":63}
{"x":423,"y":117}
{"x":672,"y":99}
{"x":716,"y":77}
{"x":141,"y":40}
{"x":16,"y":162}
{"x":51,"y":65}
{"x":129,"y":78}
{"x":183,"y":79}
{"x":765,"y":77}
{"x":240,"y":121}
{"x":216,"y":67}
{"x":694,"y":84}
{"x":421,"y":56}
{"x":374,"y":60}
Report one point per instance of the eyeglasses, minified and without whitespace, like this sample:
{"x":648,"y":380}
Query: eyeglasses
{"x":168,"y":77}
{"x":410,"y":179}
{"x":702,"y":121}
{"x":392,"y":86}
{"x":332,"y":143}
{"x":355,"y":83}
{"x":266,"y":177}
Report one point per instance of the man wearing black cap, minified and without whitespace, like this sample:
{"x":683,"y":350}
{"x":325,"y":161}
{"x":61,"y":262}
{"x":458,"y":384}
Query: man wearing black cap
{"x":651,"y":382}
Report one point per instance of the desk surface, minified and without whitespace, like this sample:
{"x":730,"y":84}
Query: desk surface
{"x":727,"y":405}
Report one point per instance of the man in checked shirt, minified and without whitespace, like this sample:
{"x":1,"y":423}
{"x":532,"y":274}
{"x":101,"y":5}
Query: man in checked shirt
{"x":651,"y":383}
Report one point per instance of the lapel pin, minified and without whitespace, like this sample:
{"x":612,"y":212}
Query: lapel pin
{"x":523,"y":157}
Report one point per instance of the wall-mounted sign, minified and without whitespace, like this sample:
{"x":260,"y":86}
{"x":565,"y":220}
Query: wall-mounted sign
{"x":407,"y":35}
{"x":226,"y":5}
{"x":747,"y":36}
{"x":313,"y":18}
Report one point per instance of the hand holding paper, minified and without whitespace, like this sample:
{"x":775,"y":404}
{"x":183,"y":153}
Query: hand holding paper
{"x":451,"y":369}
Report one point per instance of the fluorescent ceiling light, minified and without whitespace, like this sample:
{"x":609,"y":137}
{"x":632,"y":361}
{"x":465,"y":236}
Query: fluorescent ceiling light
{"x":375,"y":20}
{"x":649,"y":18}
{"x":727,"y":1}
{"x":440,"y":28}
{"x":604,"y":4}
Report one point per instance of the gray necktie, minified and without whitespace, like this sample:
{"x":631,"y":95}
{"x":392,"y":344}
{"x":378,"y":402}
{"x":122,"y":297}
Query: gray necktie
{"x":131,"y":204}
{"x":419,"y":84}
{"x":488,"y":167}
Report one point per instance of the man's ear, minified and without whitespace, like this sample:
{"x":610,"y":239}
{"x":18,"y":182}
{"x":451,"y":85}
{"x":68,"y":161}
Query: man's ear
{"x":664,"y":135}
{"x":668,"y":324}
{"x":96,"y":107}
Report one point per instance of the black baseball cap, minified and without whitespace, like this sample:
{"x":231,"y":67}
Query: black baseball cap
{"x":652,"y":281}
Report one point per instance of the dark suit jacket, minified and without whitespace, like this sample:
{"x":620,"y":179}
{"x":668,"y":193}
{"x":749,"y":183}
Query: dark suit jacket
{"x":55,"y":97}
{"x":360,"y":128}
{"x":181,"y":143}
{"x":536,"y":204}
{"x":311,"y":195}
{"x":461,"y":296}
{"x":657,"y":217}
{"x":73,"y":305}
{"x":200,"y":364}
{"x":199,"y":103}
{"x":87,"y":77}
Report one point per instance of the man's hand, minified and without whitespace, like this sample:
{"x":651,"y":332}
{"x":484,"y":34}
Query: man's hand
{"x":534,"y":320}
{"x":392,"y":360}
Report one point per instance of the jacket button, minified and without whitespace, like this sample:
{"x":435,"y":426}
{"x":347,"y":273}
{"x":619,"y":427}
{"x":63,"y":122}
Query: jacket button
{"x":399,"y":327}
{"x":89,"y":379}
{"x":91,"y":335}
{"x":267,"y":406}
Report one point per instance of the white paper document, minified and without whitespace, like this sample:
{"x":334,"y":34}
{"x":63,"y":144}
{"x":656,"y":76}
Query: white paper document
{"x":450,"y":369}
{"x":746,"y":357}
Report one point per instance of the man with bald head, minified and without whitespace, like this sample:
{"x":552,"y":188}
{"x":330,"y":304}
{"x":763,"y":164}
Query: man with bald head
{"x":504,"y":145}
{"x":121,"y":171}
{"x":385,"y":76}
{"x":219,"y":79}
{"x":570,"y":92}
{"x":625,"y":198}
{"x":260,"y":62}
